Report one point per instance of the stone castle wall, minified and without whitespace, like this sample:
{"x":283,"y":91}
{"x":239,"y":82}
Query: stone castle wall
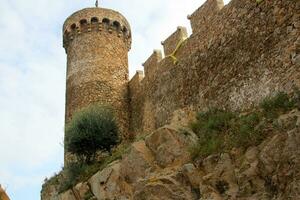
{"x":236,"y":55}
{"x":97,"y":42}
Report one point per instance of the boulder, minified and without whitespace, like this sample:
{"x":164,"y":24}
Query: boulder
{"x":68,"y":195}
{"x":169,"y":184}
{"x":170,"y":145}
{"x":218,"y":178}
{"x":107,"y":184}
{"x":135,"y":164}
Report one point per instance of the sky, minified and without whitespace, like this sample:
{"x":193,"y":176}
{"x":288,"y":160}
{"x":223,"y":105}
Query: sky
{"x":32,"y":78}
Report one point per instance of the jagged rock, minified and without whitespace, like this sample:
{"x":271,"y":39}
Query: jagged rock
{"x":192,"y":174}
{"x":50,"y":193}
{"x":137,"y":162}
{"x":268,"y":171}
{"x":107,"y":184}
{"x":289,"y":120}
{"x":81,"y":189}
{"x":251,"y":184}
{"x":68,"y":195}
{"x":280,"y":164}
{"x":169,"y":184}
{"x":219,"y":179}
{"x":170,"y":144}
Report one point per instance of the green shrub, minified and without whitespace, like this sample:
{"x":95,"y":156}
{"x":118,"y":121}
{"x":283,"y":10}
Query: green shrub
{"x":79,"y":172}
{"x":247,"y":132}
{"x":221,"y":130}
{"x":211,"y":126}
{"x":71,"y":175}
{"x":91,"y":130}
{"x":212,"y":121}
{"x":274,"y":105}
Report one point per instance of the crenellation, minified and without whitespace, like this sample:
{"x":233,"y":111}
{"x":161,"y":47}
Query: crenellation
{"x":93,"y":20}
{"x":151,"y":64}
{"x":70,"y":34}
{"x":202,"y":17}
{"x":236,"y":56}
{"x":97,"y":63}
{"x":138,"y":77}
{"x":172,"y":42}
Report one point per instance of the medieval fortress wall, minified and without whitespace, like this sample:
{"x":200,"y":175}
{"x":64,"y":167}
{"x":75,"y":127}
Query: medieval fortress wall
{"x":236,"y":55}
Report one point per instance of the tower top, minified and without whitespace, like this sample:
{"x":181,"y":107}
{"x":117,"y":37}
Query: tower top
{"x":96,"y":13}
{"x":87,"y":18}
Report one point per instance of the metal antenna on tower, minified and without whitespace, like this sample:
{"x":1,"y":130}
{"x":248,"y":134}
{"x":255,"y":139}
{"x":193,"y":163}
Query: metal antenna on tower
{"x":96,"y":3}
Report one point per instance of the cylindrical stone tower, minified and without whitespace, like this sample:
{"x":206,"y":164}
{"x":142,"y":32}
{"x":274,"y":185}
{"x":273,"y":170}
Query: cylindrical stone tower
{"x":97,"y":42}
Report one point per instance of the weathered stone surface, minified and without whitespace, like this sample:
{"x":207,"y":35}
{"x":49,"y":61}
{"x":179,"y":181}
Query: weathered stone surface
{"x":170,"y":145}
{"x":270,"y":170}
{"x":289,"y":120}
{"x":137,"y":162}
{"x":237,"y":55}
{"x":107,"y":184}
{"x":97,"y":41}
{"x":168,"y":185}
{"x":232,"y":63}
{"x":81,"y":189}
{"x":219,"y":179}
{"x":68,"y":195}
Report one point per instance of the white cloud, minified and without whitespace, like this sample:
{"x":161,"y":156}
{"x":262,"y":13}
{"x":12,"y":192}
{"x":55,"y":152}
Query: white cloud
{"x":32,"y":75}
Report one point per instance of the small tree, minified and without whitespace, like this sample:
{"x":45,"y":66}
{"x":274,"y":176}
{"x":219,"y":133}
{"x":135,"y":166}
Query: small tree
{"x":91,"y":130}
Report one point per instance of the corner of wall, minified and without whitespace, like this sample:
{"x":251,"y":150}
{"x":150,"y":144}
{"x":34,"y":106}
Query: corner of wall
{"x":203,"y":15}
{"x":151,"y":64}
{"x":170,"y":44}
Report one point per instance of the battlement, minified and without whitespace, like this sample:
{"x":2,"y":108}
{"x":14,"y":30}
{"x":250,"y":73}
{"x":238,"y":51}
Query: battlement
{"x":96,"y":20}
{"x":137,"y":78}
{"x":229,"y":61}
{"x":171,"y":43}
{"x":151,"y":64}
{"x":203,"y":15}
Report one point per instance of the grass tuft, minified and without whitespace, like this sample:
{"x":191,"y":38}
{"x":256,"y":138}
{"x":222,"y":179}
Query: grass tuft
{"x":221,"y":130}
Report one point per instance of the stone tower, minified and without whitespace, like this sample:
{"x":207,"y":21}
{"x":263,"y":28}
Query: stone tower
{"x":97,"y":41}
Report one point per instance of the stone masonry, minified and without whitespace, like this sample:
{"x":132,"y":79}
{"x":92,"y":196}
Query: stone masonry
{"x":97,"y":42}
{"x":237,"y":55}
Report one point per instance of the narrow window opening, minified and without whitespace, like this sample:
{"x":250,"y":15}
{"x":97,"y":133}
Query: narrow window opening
{"x":83,"y":22}
{"x":106,"y":21}
{"x":94,"y":20}
{"x":73,"y":27}
{"x":117,"y":25}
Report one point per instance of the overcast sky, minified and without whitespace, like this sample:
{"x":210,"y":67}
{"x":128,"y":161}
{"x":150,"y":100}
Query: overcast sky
{"x":32,"y":78}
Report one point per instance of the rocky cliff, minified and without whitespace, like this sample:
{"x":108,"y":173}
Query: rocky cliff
{"x":159,"y":166}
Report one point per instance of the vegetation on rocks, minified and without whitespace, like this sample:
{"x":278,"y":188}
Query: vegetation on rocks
{"x":221,"y":130}
{"x":78,"y":172}
{"x":91,"y":130}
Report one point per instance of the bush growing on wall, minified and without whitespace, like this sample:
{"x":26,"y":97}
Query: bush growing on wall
{"x":91,"y":130}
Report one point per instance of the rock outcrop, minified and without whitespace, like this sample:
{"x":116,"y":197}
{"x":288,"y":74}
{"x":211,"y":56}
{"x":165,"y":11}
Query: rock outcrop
{"x":159,"y":167}
{"x":3,"y":195}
